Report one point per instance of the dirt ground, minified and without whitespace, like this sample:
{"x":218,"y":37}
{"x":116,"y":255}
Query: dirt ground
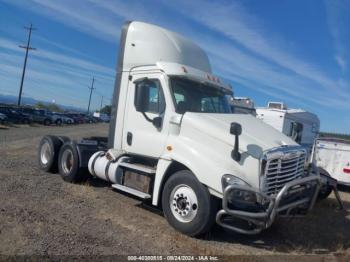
{"x":41,"y":214}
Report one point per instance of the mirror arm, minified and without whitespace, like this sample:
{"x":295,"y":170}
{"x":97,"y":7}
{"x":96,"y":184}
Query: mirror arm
{"x":235,"y":154}
{"x":147,"y":118}
{"x":152,"y":120}
{"x":236,"y":130}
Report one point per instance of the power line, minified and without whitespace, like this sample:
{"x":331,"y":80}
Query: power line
{"x":27,"y":48}
{"x":91,"y":88}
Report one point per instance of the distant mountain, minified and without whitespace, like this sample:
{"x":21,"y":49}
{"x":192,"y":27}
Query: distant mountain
{"x":8,"y":99}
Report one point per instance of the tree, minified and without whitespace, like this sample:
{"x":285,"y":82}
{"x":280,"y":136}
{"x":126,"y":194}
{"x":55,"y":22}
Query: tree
{"x":54,"y":108}
{"x":40,"y":105}
{"x":106,"y":110}
{"x":51,"y":107}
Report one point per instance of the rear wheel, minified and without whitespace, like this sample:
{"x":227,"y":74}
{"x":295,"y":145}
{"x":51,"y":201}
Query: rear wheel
{"x":187,"y":204}
{"x":48,"y":153}
{"x":47,"y":122}
{"x":58,"y":122}
{"x":69,"y":163}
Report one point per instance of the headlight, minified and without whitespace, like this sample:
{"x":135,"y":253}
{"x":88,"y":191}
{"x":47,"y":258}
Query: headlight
{"x":239,"y":195}
{"x":232,"y":180}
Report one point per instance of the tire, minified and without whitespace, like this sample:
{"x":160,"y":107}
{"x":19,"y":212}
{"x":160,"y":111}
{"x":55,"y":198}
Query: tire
{"x":47,"y":122}
{"x":187,"y":204}
{"x":48,"y":153}
{"x":69,"y":164}
{"x":58,"y":122}
{"x":63,"y":139}
{"x":26,"y":121}
{"x":325,"y":190}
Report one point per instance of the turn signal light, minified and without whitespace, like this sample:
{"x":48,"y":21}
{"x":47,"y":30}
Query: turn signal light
{"x":346,"y":170}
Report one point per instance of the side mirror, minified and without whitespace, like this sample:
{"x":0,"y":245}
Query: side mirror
{"x":157,"y":122}
{"x":236,"y":130}
{"x":141,"y":94}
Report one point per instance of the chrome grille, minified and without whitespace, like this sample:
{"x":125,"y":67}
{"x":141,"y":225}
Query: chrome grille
{"x":282,"y":168}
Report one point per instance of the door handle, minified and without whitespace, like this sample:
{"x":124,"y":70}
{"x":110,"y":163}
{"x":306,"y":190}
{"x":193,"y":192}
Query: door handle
{"x":129,"y":138}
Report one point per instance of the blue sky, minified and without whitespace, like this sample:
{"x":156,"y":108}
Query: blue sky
{"x":297,"y":52}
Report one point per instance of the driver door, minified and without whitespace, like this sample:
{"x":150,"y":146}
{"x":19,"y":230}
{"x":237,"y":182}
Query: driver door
{"x":140,"y":135}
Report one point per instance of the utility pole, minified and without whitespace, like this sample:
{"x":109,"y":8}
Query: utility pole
{"x":27,"y":48}
{"x":101,"y":103}
{"x":91,"y":88}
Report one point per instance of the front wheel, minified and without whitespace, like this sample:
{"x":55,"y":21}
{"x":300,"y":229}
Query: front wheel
{"x":187,"y":204}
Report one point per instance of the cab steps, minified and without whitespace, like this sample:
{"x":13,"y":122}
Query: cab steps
{"x":131,"y":191}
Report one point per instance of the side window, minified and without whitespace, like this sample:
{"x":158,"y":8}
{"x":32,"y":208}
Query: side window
{"x":211,"y":105}
{"x":296,"y":130}
{"x":153,"y":95}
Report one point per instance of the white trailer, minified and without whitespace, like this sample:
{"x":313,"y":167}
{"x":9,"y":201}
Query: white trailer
{"x":333,"y":156}
{"x":302,"y":126}
{"x":174,"y":140}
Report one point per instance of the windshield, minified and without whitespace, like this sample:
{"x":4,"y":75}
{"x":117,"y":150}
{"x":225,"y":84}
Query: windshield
{"x":191,"y":96}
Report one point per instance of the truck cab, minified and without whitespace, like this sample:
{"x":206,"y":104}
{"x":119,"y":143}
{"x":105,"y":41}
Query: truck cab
{"x":300,"y":125}
{"x":173,"y":140}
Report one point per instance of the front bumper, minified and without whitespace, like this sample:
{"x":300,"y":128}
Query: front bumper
{"x":297,"y":196}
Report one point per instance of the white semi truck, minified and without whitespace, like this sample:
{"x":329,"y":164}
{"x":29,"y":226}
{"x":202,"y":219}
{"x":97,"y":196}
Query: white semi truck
{"x":302,"y":126}
{"x":242,"y":105}
{"x":174,"y":141}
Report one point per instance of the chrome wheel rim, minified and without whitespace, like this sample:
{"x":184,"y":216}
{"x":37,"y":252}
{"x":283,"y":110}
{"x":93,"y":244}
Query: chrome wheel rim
{"x":183,"y":203}
{"x":45,"y":153}
{"x":67,"y":161}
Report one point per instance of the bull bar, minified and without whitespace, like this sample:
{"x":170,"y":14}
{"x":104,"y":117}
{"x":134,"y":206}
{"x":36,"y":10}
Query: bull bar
{"x":263,"y":220}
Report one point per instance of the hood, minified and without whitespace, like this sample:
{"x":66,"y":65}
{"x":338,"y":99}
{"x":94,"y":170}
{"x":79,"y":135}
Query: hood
{"x":256,"y":136}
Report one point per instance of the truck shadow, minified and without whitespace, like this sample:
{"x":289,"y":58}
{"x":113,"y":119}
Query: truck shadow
{"x":96,"y":182}
{"x":325,"y":229}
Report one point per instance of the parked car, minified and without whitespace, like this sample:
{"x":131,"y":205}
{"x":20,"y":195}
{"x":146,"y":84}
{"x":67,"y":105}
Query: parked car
{"x":78,"y":119}
{"x":42,"y":116}
{"x":65,"y":119}
{"x":105,"y":118}
{"x":14,"y":116}
{"x":3,"y":118}
{"x":101,"y":117}
{"x":89,"y":119}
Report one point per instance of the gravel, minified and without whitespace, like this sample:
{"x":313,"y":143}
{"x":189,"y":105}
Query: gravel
{"x":40,"y":214}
